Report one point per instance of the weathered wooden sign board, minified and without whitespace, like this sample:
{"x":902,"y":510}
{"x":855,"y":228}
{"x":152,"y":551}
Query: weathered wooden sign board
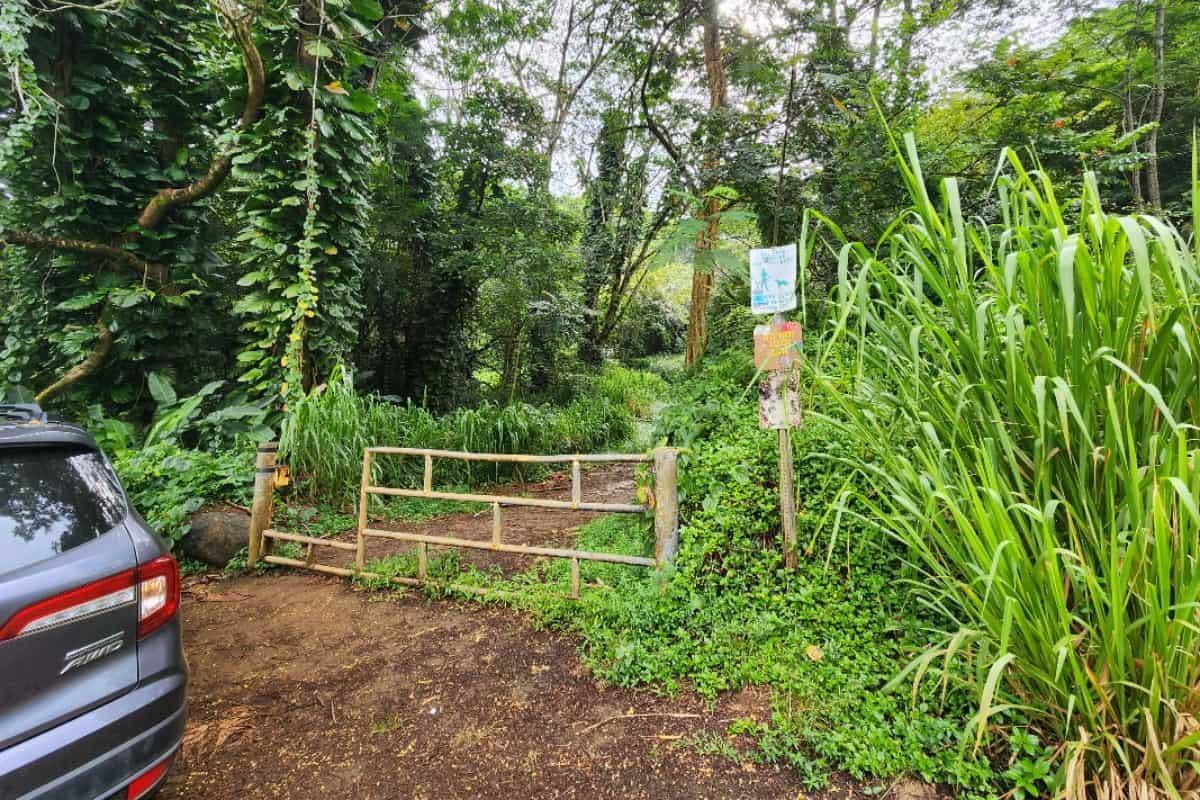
{"x":779,"y":400}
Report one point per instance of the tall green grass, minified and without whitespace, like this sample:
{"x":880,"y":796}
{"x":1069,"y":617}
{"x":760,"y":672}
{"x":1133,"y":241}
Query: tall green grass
{"x":1029,"y":393}
{"x":324,"y":438}
{"x":637,"y":390}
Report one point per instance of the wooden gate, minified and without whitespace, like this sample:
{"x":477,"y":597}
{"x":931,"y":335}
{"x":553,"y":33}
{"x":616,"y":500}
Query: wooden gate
{"x":665,"y":507}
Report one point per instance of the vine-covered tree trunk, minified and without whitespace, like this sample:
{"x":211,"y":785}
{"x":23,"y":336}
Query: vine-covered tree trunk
{"x":136,"y":249}
{"x":303,"y":221}
{"x":706,"y":240}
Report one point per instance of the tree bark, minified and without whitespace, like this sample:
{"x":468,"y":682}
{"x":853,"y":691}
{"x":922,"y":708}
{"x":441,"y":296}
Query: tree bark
{"x":908,"y":26}
{"x":90,"y":363}
{"x":1128,"y":122}
{"x":873,"y":48}
{"x":1153,"y":190}
{"x":148,"y":270}
{"x":707,"y":238}
{"x":218,"y":170}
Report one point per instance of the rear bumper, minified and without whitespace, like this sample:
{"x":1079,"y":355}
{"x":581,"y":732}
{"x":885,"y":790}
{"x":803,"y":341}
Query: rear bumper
{"x":98,"y":753}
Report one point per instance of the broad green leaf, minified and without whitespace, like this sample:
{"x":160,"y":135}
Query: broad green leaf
{"x":160,"y":389}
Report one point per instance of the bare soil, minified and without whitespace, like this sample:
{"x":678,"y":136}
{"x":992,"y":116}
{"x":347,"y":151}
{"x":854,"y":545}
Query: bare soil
{"x":304,"y":688}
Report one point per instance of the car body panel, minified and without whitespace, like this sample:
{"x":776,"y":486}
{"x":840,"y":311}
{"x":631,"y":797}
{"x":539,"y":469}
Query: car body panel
{"x":85,"y":707}
{"x":97,"y":754}
{"x":54,"y":674}
{"x":44,"y":434}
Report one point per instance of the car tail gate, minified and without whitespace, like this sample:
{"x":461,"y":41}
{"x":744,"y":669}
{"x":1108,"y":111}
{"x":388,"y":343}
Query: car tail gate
{"x":69,"y":590}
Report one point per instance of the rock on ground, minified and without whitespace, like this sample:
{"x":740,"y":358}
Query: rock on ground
{"x":216,"y":536}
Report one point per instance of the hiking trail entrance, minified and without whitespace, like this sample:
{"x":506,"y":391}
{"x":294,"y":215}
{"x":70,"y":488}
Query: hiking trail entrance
{"x":662,"y":499}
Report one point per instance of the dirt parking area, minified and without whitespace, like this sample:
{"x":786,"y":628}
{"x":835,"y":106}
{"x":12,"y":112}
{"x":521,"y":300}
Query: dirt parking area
{"x":304,"y":688}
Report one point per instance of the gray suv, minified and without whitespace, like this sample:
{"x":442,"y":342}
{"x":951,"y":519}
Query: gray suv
{"x":92,"y":675}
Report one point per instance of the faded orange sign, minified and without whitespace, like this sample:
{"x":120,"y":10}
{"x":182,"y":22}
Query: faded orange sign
{"x":777,"y":346}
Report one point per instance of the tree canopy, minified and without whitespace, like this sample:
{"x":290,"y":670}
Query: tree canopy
{"x":481,"y":198}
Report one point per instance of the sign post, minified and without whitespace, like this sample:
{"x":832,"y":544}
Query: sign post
{"x":776,"y":346}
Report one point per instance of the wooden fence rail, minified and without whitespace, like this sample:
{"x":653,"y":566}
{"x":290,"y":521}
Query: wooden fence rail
{"x":666,"y":513}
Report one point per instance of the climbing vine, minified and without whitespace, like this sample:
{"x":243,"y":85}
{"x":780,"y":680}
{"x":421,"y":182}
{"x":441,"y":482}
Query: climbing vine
{"x":304,"y":201}
{"x":92,"y":270}
{"x":27,"y":97}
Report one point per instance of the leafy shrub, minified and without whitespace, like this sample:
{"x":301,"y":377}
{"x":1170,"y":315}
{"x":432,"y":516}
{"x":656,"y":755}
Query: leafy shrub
{"x":167,"y":483}
{"x":652,"y":325}
{"x":1029,"y":395}
{"x":327,"y":433}
{"x":668,"y":367}
{"x":636,"y":389}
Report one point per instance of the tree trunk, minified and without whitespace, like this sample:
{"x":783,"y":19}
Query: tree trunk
{"x":90,"y":363}
{"x":1159,"y":99}
{"x":510,"y":370}
{"x":873,"y":48}
{"x":707,"y":239}
{"x":908,"y":27}
{"x":702,"y":283}
{"x":1128,"y":122}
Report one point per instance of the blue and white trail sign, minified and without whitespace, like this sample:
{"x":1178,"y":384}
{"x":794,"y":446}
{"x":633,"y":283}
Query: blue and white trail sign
{"x":773,"y":279}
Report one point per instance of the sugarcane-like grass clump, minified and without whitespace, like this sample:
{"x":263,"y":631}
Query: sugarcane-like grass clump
{"x":1029,"y":392}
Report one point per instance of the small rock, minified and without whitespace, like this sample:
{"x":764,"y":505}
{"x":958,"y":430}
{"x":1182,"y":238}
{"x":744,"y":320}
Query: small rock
{"x":909,"y":789}
{"x":216,"y":536}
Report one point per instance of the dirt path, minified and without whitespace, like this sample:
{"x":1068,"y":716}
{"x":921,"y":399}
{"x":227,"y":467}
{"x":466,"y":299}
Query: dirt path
{"x":303,"y":688}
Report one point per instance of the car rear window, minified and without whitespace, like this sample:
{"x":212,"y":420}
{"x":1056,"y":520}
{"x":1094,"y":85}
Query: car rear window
{"x":51,"y":500}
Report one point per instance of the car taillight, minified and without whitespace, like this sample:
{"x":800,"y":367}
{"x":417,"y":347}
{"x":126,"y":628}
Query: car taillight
{"x":143,"y":783}
{"x":158,"y":593}
{"x":84,"y":601}
{"x":154,"y":586}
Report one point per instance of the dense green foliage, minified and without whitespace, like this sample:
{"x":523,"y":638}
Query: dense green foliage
{"x":167,"y":483}
{"x":1028,"y":392}
{"x":474,"y":225}
{"x":79,"y":163}
{"x":455,"y":200}
{"x":328,"y":431}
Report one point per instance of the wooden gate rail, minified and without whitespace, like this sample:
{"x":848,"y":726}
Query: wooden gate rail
{"x":518,"y":458}
{"x":535,"y":502}
{"x":523,"y":549}
{"x":665,"y":515}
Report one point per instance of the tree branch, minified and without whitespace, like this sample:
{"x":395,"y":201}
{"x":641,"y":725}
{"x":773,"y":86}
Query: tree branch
{"x":655,"y":128}
{"x":150,"y":270}
{"x":168,"y":198}
{"x":92,"y":362}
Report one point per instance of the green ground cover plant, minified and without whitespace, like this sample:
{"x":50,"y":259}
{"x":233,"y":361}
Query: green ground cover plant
{"x":167,"y":483}
{"x":1028,"y":395}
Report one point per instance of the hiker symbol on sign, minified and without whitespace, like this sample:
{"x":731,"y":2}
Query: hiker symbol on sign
{"x":773,"y":279}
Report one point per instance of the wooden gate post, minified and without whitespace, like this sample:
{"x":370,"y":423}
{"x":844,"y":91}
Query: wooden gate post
{"x":360,"y":543}
{"x":666,"y":505}
{"x":264,"y":491}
